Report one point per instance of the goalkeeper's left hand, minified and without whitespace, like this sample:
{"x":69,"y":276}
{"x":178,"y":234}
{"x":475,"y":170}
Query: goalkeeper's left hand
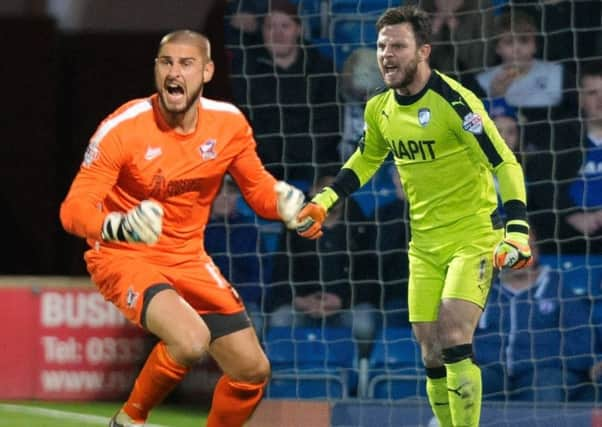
{"x":290,"y":200}
{"x":514,"y":251}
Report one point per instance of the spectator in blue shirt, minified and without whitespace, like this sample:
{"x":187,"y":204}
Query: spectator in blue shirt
{"x":565,"y":195}
{"x":583,"y":359}
{"x":530,"y":331}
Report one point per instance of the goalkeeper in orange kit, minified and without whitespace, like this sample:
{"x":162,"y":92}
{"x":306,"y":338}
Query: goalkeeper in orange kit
{"x":142,"y":199}
{"x":447,"y":151}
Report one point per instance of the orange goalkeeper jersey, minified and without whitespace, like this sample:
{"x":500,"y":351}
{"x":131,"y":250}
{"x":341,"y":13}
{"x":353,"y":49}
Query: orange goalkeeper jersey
{"x":134,"y":155}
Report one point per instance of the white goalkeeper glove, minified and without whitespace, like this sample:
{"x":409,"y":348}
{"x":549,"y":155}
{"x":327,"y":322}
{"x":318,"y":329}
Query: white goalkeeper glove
{"x":290,"y":200}
{"x":141,"y":224}
{"x":514,"y":251}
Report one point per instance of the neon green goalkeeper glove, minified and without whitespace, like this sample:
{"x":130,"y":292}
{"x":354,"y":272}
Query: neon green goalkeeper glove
{"x":514,"y":251}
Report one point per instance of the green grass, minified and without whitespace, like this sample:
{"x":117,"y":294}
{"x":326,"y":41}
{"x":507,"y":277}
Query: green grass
{"x":88,"y":414}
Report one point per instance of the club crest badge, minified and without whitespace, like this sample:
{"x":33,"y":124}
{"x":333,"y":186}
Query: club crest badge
{"x":424,"y":116}
{"x":207,"y":149}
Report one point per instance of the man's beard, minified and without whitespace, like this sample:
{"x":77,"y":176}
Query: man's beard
{"x":189,"y":102}
{"x":409,"y":74}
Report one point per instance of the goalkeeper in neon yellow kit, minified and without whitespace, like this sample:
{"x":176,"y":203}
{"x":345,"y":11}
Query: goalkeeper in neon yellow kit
{"x":447,"y":151}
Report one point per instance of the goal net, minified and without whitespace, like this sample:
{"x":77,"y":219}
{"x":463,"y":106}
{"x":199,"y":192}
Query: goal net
{"x":332,"y":314}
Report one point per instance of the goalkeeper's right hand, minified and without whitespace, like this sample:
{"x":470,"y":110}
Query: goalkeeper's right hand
{"x":310,"y":220}
{"x":141,"y":224}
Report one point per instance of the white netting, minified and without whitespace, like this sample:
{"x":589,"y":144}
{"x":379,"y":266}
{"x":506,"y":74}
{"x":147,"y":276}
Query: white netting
{"x":307,"y":115}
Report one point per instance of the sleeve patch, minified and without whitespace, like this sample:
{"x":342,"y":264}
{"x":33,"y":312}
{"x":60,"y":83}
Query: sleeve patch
{"x":473,"y":123}
{"x":91,"y":153}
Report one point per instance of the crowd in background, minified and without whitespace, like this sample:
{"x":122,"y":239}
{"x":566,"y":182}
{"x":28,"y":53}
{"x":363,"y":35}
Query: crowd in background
{"x":541,"y":84}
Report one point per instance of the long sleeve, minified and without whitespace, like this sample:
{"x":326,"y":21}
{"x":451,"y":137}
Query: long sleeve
{"x":81,"y":211}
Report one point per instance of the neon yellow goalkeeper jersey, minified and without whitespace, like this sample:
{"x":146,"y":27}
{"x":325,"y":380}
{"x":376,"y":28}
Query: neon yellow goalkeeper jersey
{"x":446,"y":149}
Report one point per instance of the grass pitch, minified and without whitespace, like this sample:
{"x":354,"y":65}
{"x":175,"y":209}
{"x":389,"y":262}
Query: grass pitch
{"x":89,"y":414}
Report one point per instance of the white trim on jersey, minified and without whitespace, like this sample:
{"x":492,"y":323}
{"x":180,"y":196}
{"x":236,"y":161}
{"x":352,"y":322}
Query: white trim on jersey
{"x":133,"y":111}
{"x":211,"y":104}
{"x":105,"y":127}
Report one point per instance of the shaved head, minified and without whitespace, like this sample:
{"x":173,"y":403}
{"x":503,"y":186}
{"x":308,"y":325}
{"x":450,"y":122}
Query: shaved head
{"x":182,"y":67}
{"x":188,"y":37}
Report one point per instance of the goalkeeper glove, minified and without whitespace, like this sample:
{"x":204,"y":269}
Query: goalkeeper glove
{"x":141,"y":224}
{"x":289,"y":202}
{"x":314,"y":213}
{"x":310,"y":220}
{"x":514,"y":251}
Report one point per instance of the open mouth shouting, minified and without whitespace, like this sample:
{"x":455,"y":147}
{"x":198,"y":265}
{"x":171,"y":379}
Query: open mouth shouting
{"x":389,"y":70}
{"x":174,"y":93}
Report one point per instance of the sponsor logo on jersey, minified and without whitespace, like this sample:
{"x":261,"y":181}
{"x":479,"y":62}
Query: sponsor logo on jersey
{"x":384,"y":113}
{"x":473,"y":123}
{"x":152,"y":153}
{"x":413,"y":150}
{"x":424,"y":116}
{"x":591,"y":167}
{"x":546,"y":306}
{"x":162,"y":189}
{"x":208,"y":149}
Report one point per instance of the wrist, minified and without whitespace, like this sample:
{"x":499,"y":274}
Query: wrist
{"x":517,"y":226}
{"x":518,"y":231}
{"x":326,"y":198}
{"x":111,"y":227}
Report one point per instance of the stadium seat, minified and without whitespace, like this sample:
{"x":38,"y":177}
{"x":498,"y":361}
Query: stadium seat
{"x":338,"y":7}
{"x":310,"y":362}
{"x":310,"y":12}
{"x":583,"y":273}
{"x":349,"y":32}
{"x":395,"y":366}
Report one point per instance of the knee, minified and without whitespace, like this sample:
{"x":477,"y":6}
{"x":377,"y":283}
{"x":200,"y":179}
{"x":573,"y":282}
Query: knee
{"x":431,"y":360}
{"x":190,"y":347}
{"x":451,"y":337}
{"x":431,"y":355}
{"x":257,"y":372}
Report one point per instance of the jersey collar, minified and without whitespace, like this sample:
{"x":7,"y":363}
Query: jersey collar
{"x":410,"y":99}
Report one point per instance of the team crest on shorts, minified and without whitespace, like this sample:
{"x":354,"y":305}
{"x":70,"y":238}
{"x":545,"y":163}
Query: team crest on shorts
{"x":208,"y":149}
{"x":131,"y":297}
{"x":424,"y":116}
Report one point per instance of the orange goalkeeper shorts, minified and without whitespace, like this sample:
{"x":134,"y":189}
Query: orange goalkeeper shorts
{"x":124,"y":280}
